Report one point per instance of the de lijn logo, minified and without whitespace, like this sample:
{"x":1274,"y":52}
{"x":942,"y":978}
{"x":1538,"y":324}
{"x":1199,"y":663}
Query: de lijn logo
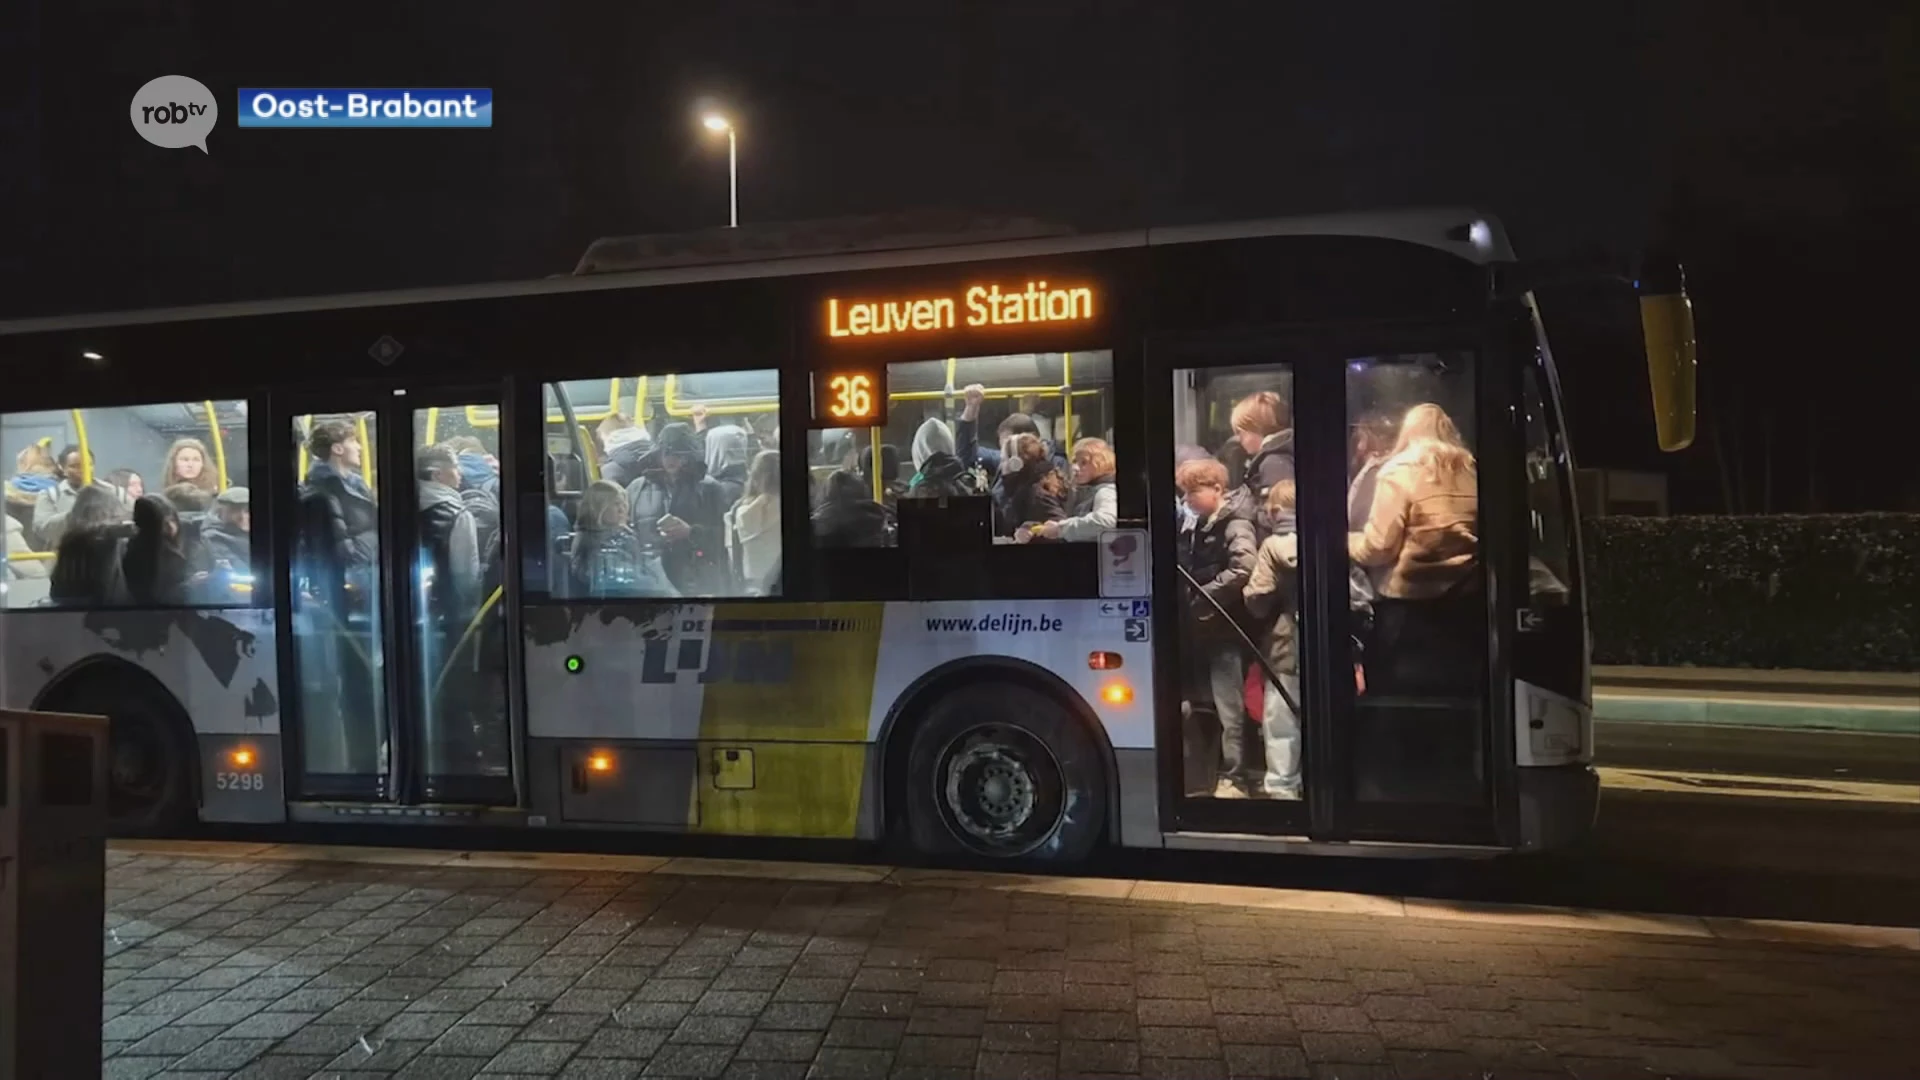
{"x":174,"y":111}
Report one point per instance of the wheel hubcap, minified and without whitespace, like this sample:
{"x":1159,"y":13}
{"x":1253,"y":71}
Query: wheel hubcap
{"x":1000,"y":791}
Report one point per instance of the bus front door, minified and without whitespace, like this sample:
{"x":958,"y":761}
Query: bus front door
{"x":390,"y":532}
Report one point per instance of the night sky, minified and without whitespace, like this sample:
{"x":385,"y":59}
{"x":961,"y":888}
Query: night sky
{"x":1774,"y":144}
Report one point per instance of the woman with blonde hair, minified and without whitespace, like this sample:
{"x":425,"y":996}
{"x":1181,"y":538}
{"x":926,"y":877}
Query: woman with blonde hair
{"x":187,"y":463}
{"x":1421,"y":537}
{"x":1263,"y":428}
{"x":753,"y":527}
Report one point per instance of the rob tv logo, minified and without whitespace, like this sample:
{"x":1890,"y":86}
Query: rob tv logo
{"x":174,"y":111}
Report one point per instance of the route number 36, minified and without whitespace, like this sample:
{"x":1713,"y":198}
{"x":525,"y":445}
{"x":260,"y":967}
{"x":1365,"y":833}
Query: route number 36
{"x":239,"y":781}
{"x":852,"y":397}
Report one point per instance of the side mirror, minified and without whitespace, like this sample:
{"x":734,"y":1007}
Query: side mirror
{"x":1666,"y":322}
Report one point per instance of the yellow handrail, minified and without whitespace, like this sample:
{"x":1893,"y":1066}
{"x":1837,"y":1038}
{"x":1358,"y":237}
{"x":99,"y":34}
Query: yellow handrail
{"x":754,"y":405}
{"x":433,"y":425}
{"x":219,"y":444}
{"x":873,"y":441}
{"x":1018,"y":391}
{"x":1066,"y":401}
{"x":447,"y":668}
{"x":593,"y":459}
{"x":31,"y":556}
{"x":366,"y":452}
{"x":86,"y":455}
{"x":306,"y":433}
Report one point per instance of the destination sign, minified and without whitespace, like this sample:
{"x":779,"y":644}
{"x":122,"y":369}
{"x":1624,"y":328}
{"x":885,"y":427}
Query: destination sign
{"x":977,"y":306}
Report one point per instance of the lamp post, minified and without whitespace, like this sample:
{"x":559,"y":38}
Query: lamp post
{"x":715,"y":122}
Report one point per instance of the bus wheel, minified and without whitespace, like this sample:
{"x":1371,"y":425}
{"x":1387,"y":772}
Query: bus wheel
{"x":1005,"y":772}
{"x":149,"y":773}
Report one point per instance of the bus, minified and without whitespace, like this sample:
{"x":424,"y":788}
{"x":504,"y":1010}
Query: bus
{"x":1256,"y":536}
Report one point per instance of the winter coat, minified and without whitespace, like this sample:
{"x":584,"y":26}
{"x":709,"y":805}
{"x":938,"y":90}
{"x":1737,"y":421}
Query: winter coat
{"x":17,"y":545}
{"x":480,"y":490}
{"x":697,"y":566}
{"x":450,"y":543}
{"x":340,"y":518}
{"x":626,"y":449}
{"x":848,"y":516}
{"x":608,"y":563}
{"x":1219,"y":552}
{"x":1273,"y":598}
{"x":51,"y":509}
{"x":1095,"y":508}
{"x":86,"y":570}
{"x":753,"y":537}
{"x":726,"y":456}
{"x":966,"y":436}
{"x":1422,"y":531}
{"x":1267,"y":466}
{"x":1022,"y":498}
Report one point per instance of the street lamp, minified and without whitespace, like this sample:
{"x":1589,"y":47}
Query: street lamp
{"x":717,"y":123}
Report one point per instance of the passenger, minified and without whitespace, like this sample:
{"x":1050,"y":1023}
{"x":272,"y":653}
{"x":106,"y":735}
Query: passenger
{"x":1273,"y":603}
{"x":228,"y":536}
{"x":1182,"y":454}
{"x":1029,"y":490}
{"x":623,"y":445}
{"x":1263,"y":427}
{"x":17,"y":546}
{"x":186,"y":498}
{"x":449,"y":540}
{"x":1422,"y":531}
{"x":966,"y":432}
{"x":848,"y":517}
{"x":753,"y":527}
{"x":1374,"y":435}
{"x":187,"y":464}
{"x":604,"y":557}
{"x":1218,"y":551}
{"x":891,"y":486}
{"x":51,"y":508}
{"x":338,"y":503}
{"x":86,"y":570}
{"x":129,"y":482}
{"x":726,"y":455}
{"x":678,"y":511}
{"x":1095,"y":506}
{"x":35,"y":474}
{"x":480,"y":490}
{"x":938,"y":473}
{"x":157,"y":567}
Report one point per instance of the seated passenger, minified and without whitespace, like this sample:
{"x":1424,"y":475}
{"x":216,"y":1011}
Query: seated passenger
{"x":753,"y":527}
{"x":1029,"y":490}
{"x":726,"y":454}
{"x":604,"y":557}
{"x":1095,"y":505}
{"x":938,"y":473}
{"x":1422,"y":532}
{"x":156,"y":566}
{"x":1218,"y":551}
{"x":679,"y":512}
{"x":187,"y":463}
{"x":1273,"y":604}
{"x":848,"y":516}
{"x":623,"y":445}
{"x":86,"y":569}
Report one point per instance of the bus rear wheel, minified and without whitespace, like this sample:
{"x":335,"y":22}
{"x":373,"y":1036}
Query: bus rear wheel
{"x":1001,"y":771}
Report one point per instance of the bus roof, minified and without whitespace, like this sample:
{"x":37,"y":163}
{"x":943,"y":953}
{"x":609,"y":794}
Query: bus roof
{"x":625,"y":263}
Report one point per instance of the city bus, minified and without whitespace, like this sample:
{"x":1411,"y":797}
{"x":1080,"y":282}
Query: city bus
{"x":972,"y":547}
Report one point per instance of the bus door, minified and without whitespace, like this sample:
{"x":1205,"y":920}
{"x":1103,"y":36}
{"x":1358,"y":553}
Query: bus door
{"x":1318,"y":530}
{"x":397,"y":679}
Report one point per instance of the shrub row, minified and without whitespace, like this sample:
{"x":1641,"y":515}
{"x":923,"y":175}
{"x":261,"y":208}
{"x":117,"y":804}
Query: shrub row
{"x":1831,"y":592}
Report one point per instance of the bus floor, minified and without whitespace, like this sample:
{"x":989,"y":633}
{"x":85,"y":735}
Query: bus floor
{"x":280,"y":961}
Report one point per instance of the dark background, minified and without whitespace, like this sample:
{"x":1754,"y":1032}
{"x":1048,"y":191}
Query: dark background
{"x":1773,"y":144}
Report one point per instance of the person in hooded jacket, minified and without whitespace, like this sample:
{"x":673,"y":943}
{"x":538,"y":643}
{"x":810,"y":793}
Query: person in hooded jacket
{"x":480,"y":490}
{"x":623,"y":446}
{"x":1263,"y":429}
{"x":449,"y":539}
{"x":86,"y":566}
{"x":938,"y":471}
{"x":157,"y":566}
{"x":726,"y":453}
{"x":1029,"y":490}
{"x":678,"y":511}
{"x":891,"y":486}
{"x":847,"y":515}
{"x":1095,"y":505}
{"x":1218,"y":550}
{"x":1273,"y":605}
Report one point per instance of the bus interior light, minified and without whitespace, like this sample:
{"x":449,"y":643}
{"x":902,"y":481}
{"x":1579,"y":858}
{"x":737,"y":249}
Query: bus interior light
{"x":1104,"y":661}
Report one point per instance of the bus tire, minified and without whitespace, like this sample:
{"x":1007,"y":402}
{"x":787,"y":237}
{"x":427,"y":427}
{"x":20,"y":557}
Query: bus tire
{"x":1002,"y":771}
{"x":150,"y":766}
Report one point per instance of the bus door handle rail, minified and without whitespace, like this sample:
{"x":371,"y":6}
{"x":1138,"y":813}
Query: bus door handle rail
{"x":1259,"y":655}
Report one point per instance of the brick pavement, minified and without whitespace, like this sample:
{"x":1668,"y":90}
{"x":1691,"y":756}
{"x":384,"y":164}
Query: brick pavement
{"x":282,"y":969}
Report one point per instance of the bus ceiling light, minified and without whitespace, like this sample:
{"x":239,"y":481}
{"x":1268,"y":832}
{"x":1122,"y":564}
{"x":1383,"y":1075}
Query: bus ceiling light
{"x":89,"y":354}
{"x":1117,"y":693}
{"x":1104,"y":661}
{"x":1480,"y":235}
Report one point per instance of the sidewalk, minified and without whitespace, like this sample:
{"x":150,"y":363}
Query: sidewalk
{"x":252,"y":962}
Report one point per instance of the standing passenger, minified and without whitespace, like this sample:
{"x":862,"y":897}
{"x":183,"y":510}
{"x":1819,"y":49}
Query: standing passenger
{"x":1218,"y":551}
{"x":187,"y":464}
{"x":1029,"y":490}
{"x":51,"y":509}
{"x":675,"y":509}
{"x":86,"y":568}
{"x":753,"y":527}
{"x":1095,"y":506}
{"x":1263,"y":427}
{"x":938,"y":472}
{"x":449,"y":539}
{"x":623,"y":446}
{"x":726,"y":454}
{"x":156,"y":567}
{"x":341,"y":515}
{"x":1273,"y":602}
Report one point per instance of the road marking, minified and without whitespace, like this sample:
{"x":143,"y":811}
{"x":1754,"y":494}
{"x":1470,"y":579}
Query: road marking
{"x":1761,"y":787}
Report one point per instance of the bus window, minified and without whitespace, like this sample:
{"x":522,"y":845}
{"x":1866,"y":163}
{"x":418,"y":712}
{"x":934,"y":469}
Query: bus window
{"x":1414,"y":540}
{"x":77,"y":473}
{"x":664,"y":485}
{"x":954,"y":428}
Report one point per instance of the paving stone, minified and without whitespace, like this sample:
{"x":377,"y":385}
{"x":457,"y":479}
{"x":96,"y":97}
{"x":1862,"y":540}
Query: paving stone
{"x":473,"y":1040}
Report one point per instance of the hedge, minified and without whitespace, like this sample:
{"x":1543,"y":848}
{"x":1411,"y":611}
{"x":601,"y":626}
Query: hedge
{"x":1830,"y":592}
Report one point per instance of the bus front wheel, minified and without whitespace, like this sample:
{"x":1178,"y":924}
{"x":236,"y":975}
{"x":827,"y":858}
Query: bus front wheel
{"x":149,"y":766}
{"x":1004,"y":772}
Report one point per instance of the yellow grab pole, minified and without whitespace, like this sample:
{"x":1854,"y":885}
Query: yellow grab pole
{"x":219,"y":445}
{"x":86,"y":455}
